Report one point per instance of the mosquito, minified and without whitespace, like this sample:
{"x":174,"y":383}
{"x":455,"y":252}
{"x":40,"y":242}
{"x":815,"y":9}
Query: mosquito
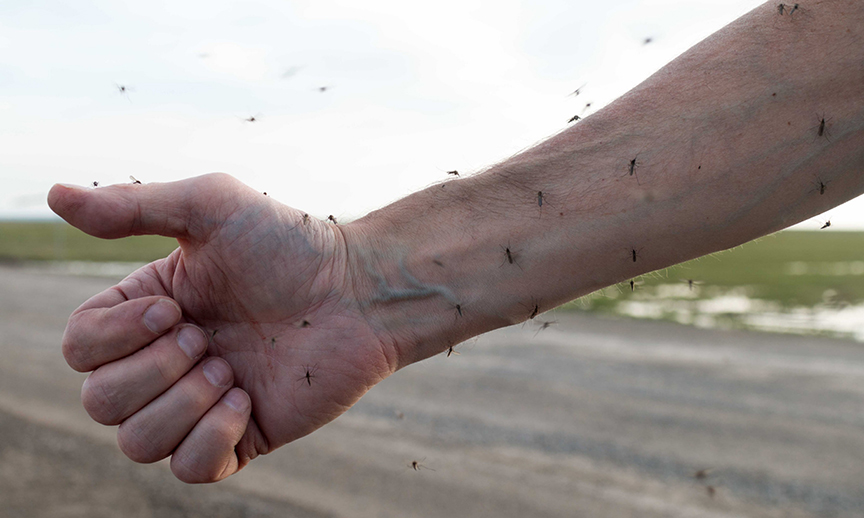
{"x":545,"y":325}
{"x":821,"y":186}
{"x":702,"y":474}
{"x":821,"y":129}
{"x":451,"y":350}
{"x":458,"y":308}
{"x":540,"y":198}
{"x":417,"y":466}
{"x":574,"y":119}
{"x":95,"y":183}
{"x":305,"y":324}
{"x":509,"y":257}
{"x":631,"y":167}
{"x":826,"y":225}
{"x":273,"y":343}
{"x":453,"y":173}
{"x":781,"y":9}
{"x":634,"y":253}
{"x":691,"y":283}
{"x":124,"y":91}
{"x":332,"y":218}
{"x":253,"y":118}
{"x":794,"y":8}
{"x":535,"y":311}
{"x":135,"y":181}
{"x":305,"y":218}
{"x":577,"y":91}
{"x":309,"y":375}
{"x":634,"y":283}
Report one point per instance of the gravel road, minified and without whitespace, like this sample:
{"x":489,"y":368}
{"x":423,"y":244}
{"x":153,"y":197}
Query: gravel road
{"x":591,"y":417}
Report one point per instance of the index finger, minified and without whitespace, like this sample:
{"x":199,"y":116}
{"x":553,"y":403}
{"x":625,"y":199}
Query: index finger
{"x":109,"y":326}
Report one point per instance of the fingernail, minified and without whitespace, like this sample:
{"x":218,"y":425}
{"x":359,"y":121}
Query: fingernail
{"x":161,"y":315}
{"x":192,"y":340}
{"x":70,"y":186}
{"x":217,"y":372}
{"x":237,"y":400}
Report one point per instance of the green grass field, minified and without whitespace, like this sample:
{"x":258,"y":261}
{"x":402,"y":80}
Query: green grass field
{"x":787,"y":271}
{"x":49,"y":241}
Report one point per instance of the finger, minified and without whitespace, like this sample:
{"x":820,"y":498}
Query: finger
{"x":95,"y":336}
{"x":207,"y":454}
{"x":152,"y":433}
{"x":118,"y":389}
{"x":173,"y":209}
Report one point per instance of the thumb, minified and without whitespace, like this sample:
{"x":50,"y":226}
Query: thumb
{"x":174,"y":209}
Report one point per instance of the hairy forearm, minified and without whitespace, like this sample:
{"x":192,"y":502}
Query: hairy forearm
{"x":756,"y":128}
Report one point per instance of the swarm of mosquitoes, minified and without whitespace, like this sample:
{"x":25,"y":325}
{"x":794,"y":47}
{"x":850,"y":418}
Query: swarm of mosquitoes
{"x":507,"y":255}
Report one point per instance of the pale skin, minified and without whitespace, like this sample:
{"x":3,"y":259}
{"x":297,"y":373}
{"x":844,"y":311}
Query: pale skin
{"x":265,"y":325}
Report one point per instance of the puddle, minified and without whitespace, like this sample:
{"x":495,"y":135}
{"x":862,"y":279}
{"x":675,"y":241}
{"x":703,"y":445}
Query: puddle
{"x":736,"y":308}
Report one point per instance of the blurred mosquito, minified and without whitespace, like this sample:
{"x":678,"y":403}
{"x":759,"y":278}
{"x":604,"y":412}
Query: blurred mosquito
{"x":332,"y":218}
{"x":574,"y":119}
{"x":634,"y":253}
{"x":95,"y":183}
{"x":453,"y":173}
{"x":634,"y":283}
{"x":323,"y":89}
{"x":451,"y":350}
{"x":124,"y":91}
{"x":826,"y":225}
{"x":702,"y":474}
{"x":577,"y":91}
{"x":135,"y":181}
{"x":691,"y":283}
{"x":417,"y":466}
{"x":647,"y":40}
{"x":543,"y":325}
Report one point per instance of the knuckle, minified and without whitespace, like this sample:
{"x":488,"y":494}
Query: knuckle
{"x":135,"y":444}
{"x":74,"y":352}
{"x":100,"y":401}
{"x":190,"y":471}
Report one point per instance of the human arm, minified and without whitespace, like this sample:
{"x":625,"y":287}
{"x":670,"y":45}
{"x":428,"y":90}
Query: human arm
{"x":728,"y":148}
{"x":304,"y":317}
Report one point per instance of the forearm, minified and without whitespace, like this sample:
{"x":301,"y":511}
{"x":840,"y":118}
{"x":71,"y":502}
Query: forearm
{"x":728,"y":143}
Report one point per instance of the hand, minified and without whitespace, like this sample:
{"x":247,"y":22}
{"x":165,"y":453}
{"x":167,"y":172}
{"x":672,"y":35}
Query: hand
{"x":245,"y":338}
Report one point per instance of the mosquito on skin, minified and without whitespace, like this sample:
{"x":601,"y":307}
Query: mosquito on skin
{"x":509,"y":256}
{"x":821,"y":186}
{"x":309,"y":375}
{"x":574,"y":119}
{"x":821,"y":129}
{"x":451,"y":350}
{"x":135,"y":181}
{"x":453,"y":173}
{"x":332,"y":218}
{"x":634,"y":253}
{"x":631,"y":168}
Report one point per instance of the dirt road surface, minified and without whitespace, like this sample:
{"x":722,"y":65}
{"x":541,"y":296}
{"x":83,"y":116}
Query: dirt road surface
{"x":590,"y":417}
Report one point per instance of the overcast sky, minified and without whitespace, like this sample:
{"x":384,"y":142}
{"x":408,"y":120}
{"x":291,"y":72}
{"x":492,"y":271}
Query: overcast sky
{"x":414,"y":89}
